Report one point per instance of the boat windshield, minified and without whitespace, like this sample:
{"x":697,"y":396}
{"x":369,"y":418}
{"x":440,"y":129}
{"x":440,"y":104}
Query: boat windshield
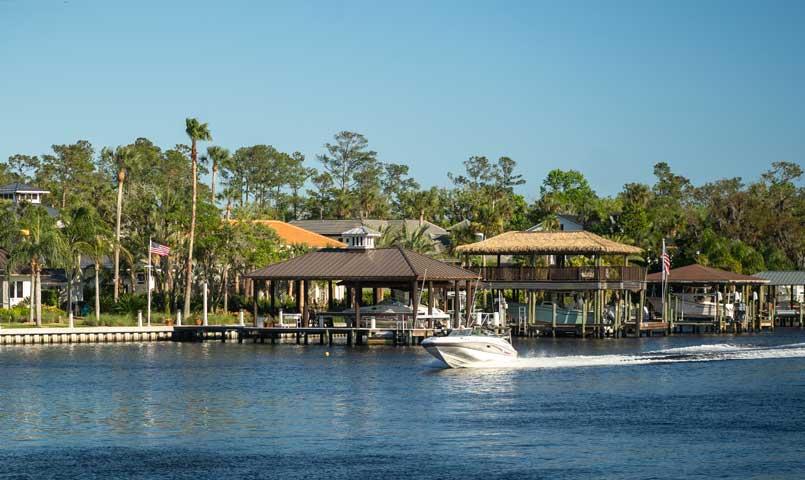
{"x":468,"y":332}
{"x":460,"y":332}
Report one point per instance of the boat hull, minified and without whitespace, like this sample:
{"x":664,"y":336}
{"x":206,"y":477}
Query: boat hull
{"x":465,"y":352}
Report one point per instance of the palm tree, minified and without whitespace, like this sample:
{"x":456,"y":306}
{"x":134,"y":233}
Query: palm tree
{"x":218,"y":156}
{"x":79,"y":226}
{"x":97,"y":245}
{"x":417,"y":240}
{"x":44,"y":244}
{"x":197,"y":131}
{"x":123,"y":159}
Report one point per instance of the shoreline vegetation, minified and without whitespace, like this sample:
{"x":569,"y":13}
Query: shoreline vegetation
{"x":106,"y":203}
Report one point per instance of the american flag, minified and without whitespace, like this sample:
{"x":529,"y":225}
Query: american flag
{"x":666,"y":261}
{"x":160,"y":250}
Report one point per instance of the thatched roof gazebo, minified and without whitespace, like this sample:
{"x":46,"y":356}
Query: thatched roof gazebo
{"x":556,"y":277}
{"x":591,"y":285}
{"x":548,"y":243}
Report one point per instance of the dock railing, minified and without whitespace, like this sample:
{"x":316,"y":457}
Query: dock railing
{"x":523,"y":273}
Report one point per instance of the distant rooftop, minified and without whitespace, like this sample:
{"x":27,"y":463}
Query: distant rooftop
{"x":18,"y":187}
{"x":784,"y":277}
{"x":334,"y":228}
{"x":296,"y":235}
{"x":699,"y":274}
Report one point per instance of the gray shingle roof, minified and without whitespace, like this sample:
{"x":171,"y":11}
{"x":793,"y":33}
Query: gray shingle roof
{"x":19,"y":187}
{"x":790,"y":277}
{"x":390,"y":264}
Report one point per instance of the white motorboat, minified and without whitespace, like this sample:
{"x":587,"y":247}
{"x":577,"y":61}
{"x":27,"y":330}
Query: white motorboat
{"x":468,"y":347}
{"x":697,"y":305}
{"x":392,"y":306}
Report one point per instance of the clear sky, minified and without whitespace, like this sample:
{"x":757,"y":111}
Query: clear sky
{"x":715,"y":88}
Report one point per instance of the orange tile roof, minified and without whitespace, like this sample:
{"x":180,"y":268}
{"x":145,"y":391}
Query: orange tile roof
{"x":293,"y":235}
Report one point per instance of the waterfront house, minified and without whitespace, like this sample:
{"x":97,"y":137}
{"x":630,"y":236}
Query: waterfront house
{"x":19,"y":193}
{"x":291,"y":234}
{"x":15,"y":286}
{"x":334,"y":229}
{"x":566,"y":223}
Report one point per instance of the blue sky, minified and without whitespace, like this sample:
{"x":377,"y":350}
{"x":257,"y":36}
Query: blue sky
{"x":715,"y":88}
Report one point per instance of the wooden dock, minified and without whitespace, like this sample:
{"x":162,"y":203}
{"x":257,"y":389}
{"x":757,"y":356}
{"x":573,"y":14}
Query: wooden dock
{"x":301,"y":335}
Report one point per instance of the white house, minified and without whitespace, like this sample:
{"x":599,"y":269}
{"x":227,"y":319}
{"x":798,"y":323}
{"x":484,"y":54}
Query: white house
{"x":567,"y":223}
{"x":20,"y":192}
{"x":18,"y":288}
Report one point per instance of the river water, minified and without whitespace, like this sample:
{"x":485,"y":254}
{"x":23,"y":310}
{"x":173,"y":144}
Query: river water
{"x":677,"y":407}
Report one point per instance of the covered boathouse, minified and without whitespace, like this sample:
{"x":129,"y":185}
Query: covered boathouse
{"x":363,"y":267}
{"x":787,"y":288}
{"x":572,"y":282}
{"x":706,"y":299}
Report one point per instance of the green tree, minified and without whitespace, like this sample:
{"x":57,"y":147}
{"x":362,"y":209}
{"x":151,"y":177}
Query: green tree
{"x":217,"y":156}
{"x":197,"y":132}
{"x":349,"y":162}
{"x":97,"y":244}
{"x":122,"y":159}
{"x":43,"y":246}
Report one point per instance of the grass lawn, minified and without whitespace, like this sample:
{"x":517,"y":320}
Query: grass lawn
{"x":51,"y":320}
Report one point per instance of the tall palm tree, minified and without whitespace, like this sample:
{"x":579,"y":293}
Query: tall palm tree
{"x":218,"y":156}
{"x":99,"y":244}
{"x":123,"y":159}
{"x":197,"y":131}
{"x":44,"y":245}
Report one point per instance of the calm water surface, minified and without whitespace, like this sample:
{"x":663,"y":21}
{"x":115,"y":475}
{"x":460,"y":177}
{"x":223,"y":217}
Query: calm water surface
{"x":694,"y":407}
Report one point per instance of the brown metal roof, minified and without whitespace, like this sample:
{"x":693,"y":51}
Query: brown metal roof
{"x":703,"y":275}
{"x":391,"y":264}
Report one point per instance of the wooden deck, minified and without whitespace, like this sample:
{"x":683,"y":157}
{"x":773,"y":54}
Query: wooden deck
{"x":302,"y":335}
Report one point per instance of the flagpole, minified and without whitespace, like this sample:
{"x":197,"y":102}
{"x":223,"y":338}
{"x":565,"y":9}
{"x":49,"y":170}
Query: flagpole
{"x":148,"y":283}
{"x":664,"y":283}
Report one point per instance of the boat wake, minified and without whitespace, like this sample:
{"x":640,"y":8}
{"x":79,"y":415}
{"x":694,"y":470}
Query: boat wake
{"x":698,"y":353}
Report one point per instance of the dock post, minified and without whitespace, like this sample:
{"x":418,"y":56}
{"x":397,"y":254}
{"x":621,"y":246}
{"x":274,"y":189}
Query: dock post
{"x":584,"y":309}
{"x":204,"y":304}
{"x":553,"y":319}
{"x":642,"y":307}
{"x":140,"y":318}
{"x":801,"y":313}
{"x":178,"y":318}
{"x":71,"y":320}
{"x":597,"y":314}
{"x":241,"y":319}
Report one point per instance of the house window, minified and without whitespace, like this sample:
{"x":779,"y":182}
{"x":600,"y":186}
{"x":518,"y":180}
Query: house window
{"x":16,"y":290}
{"x":140,"y":278}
